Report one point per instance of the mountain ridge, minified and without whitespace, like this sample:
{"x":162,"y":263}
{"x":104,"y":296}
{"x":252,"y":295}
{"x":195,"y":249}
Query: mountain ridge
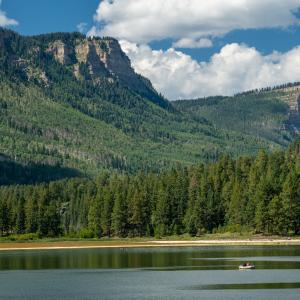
{"x":88,"y":59}
{"x":68,"y":101}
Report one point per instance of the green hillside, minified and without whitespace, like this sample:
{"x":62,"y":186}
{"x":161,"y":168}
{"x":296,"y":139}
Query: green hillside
{"x":271,"y":114}
{"x":76,"y":103}
{"x":248,"y":195}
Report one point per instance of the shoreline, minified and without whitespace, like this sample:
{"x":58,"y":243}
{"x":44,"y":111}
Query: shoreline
{"x":73,"y":245}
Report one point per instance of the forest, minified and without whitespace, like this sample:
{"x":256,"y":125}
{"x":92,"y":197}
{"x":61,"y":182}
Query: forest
{"x":96,"y":156}
{"x":92,"y":123}
{"x":258,"y":194}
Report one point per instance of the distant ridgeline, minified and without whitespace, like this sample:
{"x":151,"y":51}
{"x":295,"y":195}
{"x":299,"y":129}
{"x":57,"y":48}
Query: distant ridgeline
{"x":272,"y":113}
{"x":260,"y":194}
{"x":73,"y":103}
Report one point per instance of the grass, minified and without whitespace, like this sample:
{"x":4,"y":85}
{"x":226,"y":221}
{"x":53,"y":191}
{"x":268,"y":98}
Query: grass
{"x":23,"y":242}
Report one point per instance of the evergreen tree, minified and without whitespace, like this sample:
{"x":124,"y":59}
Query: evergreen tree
{"x":4,"y":218}
{"x":31,"y":212}
{"x":236,"y":212}
{"x":291,"y":202}
{"x":20,"y":217}
{"x":263,"y":197}
{"x":277,"y":216}
{"x":106,"y":212}
{"x":94,"y":216}
{"x":190,"y":219}
{"x":119,"y":214}
{"x":261,"y":194}
{"x":161,"y":212}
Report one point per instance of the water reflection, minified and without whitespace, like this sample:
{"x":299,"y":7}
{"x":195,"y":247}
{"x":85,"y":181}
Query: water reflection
{"x":177,"y":281}
{"x":248,"y":286}
{"x":197,"y":258}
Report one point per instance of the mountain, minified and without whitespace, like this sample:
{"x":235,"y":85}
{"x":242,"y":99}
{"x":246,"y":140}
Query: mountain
{"x":75,"y":103}
{"x":271,"y":114}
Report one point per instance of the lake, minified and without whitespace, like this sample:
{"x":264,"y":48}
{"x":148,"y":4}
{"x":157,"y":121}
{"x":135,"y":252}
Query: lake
{"x":151,"y":273}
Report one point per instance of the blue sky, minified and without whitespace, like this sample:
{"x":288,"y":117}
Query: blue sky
{"x":228,"y":48}
{"x":43,"y":16}
{"x":264,"y":40}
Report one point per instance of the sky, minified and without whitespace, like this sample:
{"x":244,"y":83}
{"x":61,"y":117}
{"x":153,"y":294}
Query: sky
{"x":187,"y":48}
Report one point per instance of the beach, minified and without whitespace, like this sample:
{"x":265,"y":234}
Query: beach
{"x":98,"y":244}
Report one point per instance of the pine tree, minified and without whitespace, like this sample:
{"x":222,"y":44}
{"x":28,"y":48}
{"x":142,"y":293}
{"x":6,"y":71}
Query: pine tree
{"x":263,"y":197}
{"x":161,"y":212}
{"x":276,"y":214}
{"x":119,"y":214}
{"x":106,"y":212}
{"x":52,"y":220}
{"x":20,"y":219}
{"x":190,"y":219}
{"x":94,"y":216}
{"x":4,"y":218}
{"x":237,"y":205}
{"x":31,"y":211}
{"x":291,"y":202}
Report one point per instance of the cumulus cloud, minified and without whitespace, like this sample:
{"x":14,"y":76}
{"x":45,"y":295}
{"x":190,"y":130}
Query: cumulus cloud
{"x":234,"y":69}
{"x":190,"y":43}
{"x":194,"y":24}
{"x":81,"y":27}
{"x":4,"y":20}
{"x":143,"y":21}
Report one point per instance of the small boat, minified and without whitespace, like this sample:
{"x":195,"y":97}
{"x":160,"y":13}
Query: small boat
{"x":246,"y":266}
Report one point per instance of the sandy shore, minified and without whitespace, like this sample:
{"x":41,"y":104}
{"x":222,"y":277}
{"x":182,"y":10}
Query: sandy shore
{"x":58,"y":245}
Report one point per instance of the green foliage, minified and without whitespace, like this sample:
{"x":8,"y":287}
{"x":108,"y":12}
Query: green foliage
{"x":291,"y":202}
{"x":74,"y":124}
{"x":262,"y":114}
{"x":247,"y":194}
{"x":55,"y":126}
{"x":21,"y":237}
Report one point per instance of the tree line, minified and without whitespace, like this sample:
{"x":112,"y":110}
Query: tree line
{"x":259,"y":194}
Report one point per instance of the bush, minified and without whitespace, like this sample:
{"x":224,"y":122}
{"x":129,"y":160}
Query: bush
{"x":233,"y":228}
{"x":86,"y":233}
{"x":21,"y":237}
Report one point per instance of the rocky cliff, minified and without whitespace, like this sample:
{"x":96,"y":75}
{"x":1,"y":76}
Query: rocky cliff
{"x":96,"y":60}
{"x":291,"y":96}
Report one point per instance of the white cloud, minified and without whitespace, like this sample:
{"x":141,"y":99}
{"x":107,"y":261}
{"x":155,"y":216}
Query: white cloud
{"x":234,"y":69}
{"x":191,"y":43}
{"x":93,"y":32}
{"x":143,"y":21}
{"x":4,"y":20}
{"x":193,"y":24}
{"x":81,"y":27}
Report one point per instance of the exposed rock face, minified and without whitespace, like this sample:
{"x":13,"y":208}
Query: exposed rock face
{"x":96,"y":61}
{"x":292,"y":98}
{"x":100,"y":58}
{"x":104,"y":56}
{"x":82,"y":51}
{"x":31,"y":72}
{"x":295,"y":115}
{"x":37,"y":74}
{"x":60,"y":51}
{"x":114,"y":59}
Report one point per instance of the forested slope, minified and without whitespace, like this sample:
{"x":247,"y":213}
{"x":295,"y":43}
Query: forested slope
{"x":68,"y":101}
{"x":89,"y":148}
{"x":271,"y":114}
{"x":254,"y":194}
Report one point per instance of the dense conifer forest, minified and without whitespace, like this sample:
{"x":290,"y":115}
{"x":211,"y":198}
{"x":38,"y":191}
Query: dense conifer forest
{"x":88,"y":148}
{"x":61,"y":109}
{"x":256,"y":194}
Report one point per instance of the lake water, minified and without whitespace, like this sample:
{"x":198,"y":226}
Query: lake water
{"x":160,"y":273}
